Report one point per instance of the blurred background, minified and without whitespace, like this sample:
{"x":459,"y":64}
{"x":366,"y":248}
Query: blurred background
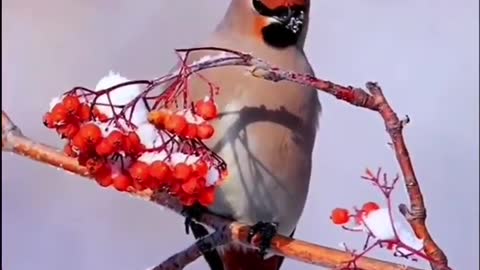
{"x":424,"y":54}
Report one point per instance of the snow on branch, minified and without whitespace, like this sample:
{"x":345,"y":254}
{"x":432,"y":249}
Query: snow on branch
{"x":151,"y":146}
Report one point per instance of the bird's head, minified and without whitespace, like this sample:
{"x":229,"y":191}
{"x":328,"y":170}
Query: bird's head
{"x":278,"y":23}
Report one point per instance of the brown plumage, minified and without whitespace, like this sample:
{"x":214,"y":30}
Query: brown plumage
{"x":267,"y":130}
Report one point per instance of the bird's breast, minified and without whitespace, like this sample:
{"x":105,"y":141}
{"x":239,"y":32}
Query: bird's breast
{"x":265,"y":134}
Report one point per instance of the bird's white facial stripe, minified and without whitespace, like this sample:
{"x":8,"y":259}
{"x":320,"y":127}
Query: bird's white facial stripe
{"x":271,"y":20}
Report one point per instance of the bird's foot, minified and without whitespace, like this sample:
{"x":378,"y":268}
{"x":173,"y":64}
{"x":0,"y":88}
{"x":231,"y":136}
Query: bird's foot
{"x":266,"y":231}
{"x":191,"y":213}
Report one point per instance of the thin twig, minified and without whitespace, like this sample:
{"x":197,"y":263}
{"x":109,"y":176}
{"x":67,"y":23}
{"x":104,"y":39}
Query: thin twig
{"x":181,"y":259}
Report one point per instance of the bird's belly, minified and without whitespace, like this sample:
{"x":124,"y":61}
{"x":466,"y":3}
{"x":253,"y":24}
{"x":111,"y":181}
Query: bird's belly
{"x":268,"y":176}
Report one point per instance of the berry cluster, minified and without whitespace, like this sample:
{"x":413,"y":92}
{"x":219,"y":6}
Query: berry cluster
{"x":341,"y":216}
{"x":379,"y":224}
{"x":124,"y":144}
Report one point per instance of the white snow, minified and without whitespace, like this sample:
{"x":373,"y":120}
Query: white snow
{"x":378,"y":222}
{"x":213,"y":176}
{"x":121,"y":96}
{"x":150,"y":157}
{"x":54,"y":101}
{"x":210,"y":57}
{"x":179,"y":157}
{"x":105,"y":127}
{"x":117,"y":165}
{"x":408,"y":237}
{"x":191,"y":117}
{"x":149,"y":135}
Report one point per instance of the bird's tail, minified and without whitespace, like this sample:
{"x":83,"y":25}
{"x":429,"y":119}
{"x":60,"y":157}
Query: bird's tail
{"x":236,"y":259}
{"x":212,"y":257}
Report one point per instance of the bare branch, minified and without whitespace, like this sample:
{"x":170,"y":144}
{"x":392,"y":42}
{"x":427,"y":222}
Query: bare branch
{"x":187,"y":256}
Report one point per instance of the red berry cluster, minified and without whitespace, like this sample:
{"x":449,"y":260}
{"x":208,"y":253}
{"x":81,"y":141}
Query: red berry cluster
{"x":185,"y":123}
{"x":115,"y":156}
{"x":341,"y":216}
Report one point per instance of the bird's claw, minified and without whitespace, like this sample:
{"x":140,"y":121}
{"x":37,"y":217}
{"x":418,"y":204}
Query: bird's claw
{"x":191,"y":213}
{"x":266,"y":230}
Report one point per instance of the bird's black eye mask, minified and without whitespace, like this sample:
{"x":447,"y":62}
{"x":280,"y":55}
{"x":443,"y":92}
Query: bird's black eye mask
{"x":287,"y":31}
{"x":281,"y":12}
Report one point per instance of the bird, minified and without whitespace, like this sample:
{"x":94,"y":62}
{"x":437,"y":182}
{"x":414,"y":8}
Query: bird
{"x":266,"y":130}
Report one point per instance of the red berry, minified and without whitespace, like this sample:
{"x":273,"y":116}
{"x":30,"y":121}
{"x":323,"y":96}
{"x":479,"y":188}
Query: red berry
{"x":67,"y":149}
{"x":182,"y":171}
{"x":201,"y":182}
{"x":207,"y":197}
{"x":132,"y":145}
{"x":104,"y":148}
{"x":91,"y":133}
{"x":99,"y":115}
{"x":175,"y":188}
{"x":369,"y":207}
{"x":158,"y":118}
{"x":121,"y":182}
{"x":138,"y":186}
{"x":205,"y":131}
{"x":200,"y":168}
{"x":104,"y":176}
{"x":116,"y":139}
{"x":340,"y":216}
{"x":175,"y":124}
{"x":206,"y":109}
{"x":68,"y":130}
{"x":160,"y":171}
{"x":95,"y":164}
{"x":187,"y":200}
{"x":59,"y":114}
{"x":48,"y":120}
{"x":139,"y":171}
{"x":79,"y":144}
{"x":72,"y":104}
{"x":190,"y":186}
{"x":84,"y":113}
{"x":104,"y":180}
{"x":190,"y":131}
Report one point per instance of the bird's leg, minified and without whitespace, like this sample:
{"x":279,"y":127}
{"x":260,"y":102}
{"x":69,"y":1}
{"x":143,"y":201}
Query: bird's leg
{"x":192,"y":212}
{"x":266,"y":231}
{"x":195,"y":212}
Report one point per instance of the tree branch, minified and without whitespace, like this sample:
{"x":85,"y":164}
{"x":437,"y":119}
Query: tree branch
{"x":14,"y":141}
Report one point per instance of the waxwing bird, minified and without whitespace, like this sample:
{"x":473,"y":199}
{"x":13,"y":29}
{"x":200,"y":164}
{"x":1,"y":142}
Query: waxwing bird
{"x":266,"y":130}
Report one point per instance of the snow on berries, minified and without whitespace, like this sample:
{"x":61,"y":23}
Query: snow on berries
{"x":127,"y":144}
{"x":378,"y":222}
